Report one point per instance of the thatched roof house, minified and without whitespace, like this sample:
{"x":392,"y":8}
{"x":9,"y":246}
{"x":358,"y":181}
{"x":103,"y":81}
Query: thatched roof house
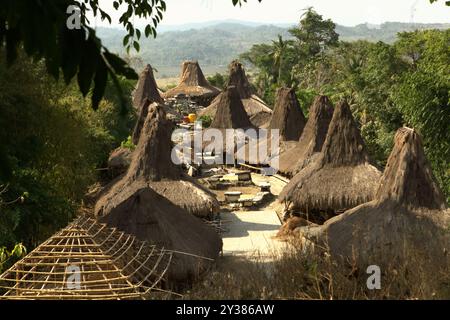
{"x":311,"y":140}
{"x":408,"y":213}
{"x":153,"y":164}
{"x":288,"y":118}
{"x":341,"y":177}
{"x":146,"y":88}
{"x":258,"y":112}
{"x":193,"y":84}
{"x":153,"y":200}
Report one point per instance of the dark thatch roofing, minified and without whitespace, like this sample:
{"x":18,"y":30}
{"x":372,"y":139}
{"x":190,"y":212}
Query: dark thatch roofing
{"x":287,"y":115}
{"x":152,"y":162}
{"x":256,"y":109}
{"x":146,"y":88}
{"x":238,"y":78}
{"x":230,"y":112}
{"x":140,"y":211}
{"x":143,"y":112}
{"x":408,"y":213}
{"x":311,"y":140}
{"x":193,"y":83}
{"x":341,"y":176}
{"x":288,"y":118}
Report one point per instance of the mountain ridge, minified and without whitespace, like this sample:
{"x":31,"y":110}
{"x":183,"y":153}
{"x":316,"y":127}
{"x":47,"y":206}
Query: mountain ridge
{"x":216,"y":45}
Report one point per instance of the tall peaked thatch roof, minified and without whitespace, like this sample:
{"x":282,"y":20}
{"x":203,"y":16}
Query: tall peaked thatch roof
{"x":230,"y":112}
{"x":288,"y":118}
{"x":408,"y":178}
{"x":193,"y":83}
{"x":311,"y":140}
{"x":152,"y":163}
{"x":341,"y":177}
{"x":287,"y":115}
{"x":146,"y":88}
{"x":343,"y":144}
{"x":239,"y":79}
{"x":152,"y":157}
{"x":408,"y":214}
{"x":258,"y":112}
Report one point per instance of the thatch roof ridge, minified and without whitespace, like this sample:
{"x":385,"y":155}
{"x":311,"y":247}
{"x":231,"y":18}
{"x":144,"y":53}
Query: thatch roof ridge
{"x":146,"y":88}
{"x":287,"y":115}
{"x":408,"y":178}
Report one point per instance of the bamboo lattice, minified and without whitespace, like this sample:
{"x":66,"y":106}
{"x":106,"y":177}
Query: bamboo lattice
{"x":87,"y":260}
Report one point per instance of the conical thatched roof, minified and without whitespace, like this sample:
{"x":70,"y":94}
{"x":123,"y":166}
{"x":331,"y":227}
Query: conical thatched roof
{"x":408,"y":178}
{"x":288,"y":118}
{"x":193,"y":83}
{"x":311,"y":140}
{"x":341,"y":177}
{"x":154,"y":186}
{"x":230,"y":113}
{"x":409,"y":212}
{"x":146,"y":88}
{"x":258,"y":112}
{"x":287,"y":115}
{"x":152,"y":164}
{"x":239,"y":79}
{"x":120,"y":158}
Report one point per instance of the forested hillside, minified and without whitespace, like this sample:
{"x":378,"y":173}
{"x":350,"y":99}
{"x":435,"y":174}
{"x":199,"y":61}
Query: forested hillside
{"x":216,"y":45}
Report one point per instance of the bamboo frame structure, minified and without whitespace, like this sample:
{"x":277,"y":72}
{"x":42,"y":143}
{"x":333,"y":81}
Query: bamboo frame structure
{"x":88,"y":261}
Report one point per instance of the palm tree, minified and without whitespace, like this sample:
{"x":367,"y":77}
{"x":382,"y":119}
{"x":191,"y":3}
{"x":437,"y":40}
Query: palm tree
{"x":278,"y":52}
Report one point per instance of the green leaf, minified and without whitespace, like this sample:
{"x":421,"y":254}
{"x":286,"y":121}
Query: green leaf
{"x":136,"y":46}
{"x":126,"y":39}
{"x":148,"y":31}
{"x":100,"y":80}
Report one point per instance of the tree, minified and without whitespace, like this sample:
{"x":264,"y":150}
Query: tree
{"x":314,"y":35}
{"x":279,"y":50}
{"x":423,"y":95}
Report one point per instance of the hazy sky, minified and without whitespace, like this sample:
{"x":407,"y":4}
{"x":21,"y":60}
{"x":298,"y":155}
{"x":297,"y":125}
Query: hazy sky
{"x":344,"y":12}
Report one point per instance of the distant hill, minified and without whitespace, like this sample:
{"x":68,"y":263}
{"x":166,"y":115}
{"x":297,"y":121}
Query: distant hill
{"x":215,"y":45}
